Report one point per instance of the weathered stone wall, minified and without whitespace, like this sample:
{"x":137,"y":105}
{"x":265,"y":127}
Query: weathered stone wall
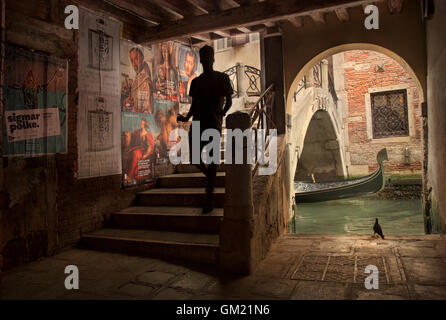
{"x":44,"y":207}
{"x":436,"y":117}
{"x":271,"y":205}
{"x":362,"y":75}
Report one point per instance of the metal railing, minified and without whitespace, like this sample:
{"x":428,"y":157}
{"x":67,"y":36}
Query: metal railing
{"x":232,"y":73}
{"x":251,"y":75}
{"x":317,"y":75}
{"x":302,"y":85}
{"x":332,"y":90}
{"x":317,"y":82}
{"x":261,"y":118}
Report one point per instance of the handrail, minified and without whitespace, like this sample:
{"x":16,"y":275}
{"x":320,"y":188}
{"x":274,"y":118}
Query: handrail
{"x":259,"y":102}
{"x":261,"y":113}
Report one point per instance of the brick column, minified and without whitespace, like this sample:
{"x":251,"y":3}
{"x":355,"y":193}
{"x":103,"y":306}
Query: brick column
{"x":236,"y":227}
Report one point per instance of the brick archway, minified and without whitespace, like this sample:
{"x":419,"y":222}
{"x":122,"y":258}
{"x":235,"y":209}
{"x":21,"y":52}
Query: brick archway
{"x":353,"y":46}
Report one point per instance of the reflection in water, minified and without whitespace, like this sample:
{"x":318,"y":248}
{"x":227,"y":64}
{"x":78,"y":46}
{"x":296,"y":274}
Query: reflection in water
{"x":357,"y":216}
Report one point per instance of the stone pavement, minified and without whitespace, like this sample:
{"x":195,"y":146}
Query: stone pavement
{"x":297,"y":267}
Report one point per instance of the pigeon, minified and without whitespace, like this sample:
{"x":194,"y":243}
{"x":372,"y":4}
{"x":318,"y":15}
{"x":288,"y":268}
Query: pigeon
{"x":377,"y":229}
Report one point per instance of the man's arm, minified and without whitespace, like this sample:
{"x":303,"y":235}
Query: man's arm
{"x":228,"y":104}
{"x":189,"y":114}
{"x":192,"y":107}
{"x":228,"y":91}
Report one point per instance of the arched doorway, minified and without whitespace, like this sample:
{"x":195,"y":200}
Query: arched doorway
{"x":357,"y":120}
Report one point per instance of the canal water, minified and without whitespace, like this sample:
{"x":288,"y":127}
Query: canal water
{"x":357,"y":216}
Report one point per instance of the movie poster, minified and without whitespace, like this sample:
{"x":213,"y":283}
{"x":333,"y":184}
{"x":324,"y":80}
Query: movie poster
{"x":35,"y":112}
{"x":99,"y":116}
{"x":154,"y":80}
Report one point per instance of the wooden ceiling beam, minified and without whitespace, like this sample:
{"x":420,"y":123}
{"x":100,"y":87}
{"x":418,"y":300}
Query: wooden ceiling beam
{"x":223,"y":33}
{"x":181,"y":7}
{"x":395,"y":6}
{"x":202,"y":36}
{"x":258,"y":13}
{"x":216,"y":36}
{"x":227,"y":4}
{"x":318,"y":17}
{"x":125,"y":15}
{"x":296,"y":21}
{"x":269,"y":24}
{"x":150,"y":12}
{"x":236,"y":32}
{"x":257,"y":28}
{"x":205,"y":5}
{"x":244,"y":30}
{"x":342,"y":14}
{"x":246,"y":2}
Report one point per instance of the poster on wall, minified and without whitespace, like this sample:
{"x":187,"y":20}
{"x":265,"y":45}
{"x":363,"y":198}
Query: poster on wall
{"x":154,"y":80}
{"x":35,"y":105}
{"x":99,"y":121}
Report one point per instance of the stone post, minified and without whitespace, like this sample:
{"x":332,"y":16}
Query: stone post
{"x":309,"y":78}
{"x":236,"y":228}
{"x":324,"y":74}
{"x":241,"y":80}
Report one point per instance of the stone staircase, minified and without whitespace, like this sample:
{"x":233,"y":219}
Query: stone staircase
{"x":166,"y":222}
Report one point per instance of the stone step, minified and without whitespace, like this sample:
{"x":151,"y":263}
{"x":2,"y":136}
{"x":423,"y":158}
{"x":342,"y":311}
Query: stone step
{"x":182,"y":247}
{"x":189,"y":180}
{"x":179,"y":197}
{"x":179,"y":219}
{"x":191,"y":168}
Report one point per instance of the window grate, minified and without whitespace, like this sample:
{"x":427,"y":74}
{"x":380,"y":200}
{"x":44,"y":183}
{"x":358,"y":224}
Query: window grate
{"x":389,"y":114}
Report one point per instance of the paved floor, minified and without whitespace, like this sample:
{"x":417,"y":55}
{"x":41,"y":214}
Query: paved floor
{"x":297,"y":267}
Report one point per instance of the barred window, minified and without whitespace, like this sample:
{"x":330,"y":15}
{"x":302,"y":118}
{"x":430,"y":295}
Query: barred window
{"x":389,"y":114}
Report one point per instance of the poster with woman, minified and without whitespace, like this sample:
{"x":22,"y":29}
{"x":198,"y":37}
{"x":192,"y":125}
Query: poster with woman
{"x":153,"y":79}
{"x":166,"y":71}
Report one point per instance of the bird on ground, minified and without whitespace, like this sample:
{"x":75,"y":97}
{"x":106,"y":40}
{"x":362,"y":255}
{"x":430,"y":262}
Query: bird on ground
{"x":377,"y":229}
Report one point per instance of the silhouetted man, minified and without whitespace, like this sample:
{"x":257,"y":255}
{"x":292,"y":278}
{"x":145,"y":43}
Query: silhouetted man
{"x":211,"y":94}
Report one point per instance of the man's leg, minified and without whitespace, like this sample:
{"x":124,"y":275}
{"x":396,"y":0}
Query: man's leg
{"x":202,"y":167}
{"x":212,"y":174}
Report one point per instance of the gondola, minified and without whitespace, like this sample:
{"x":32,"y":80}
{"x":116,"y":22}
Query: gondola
{"x":325,"y":191}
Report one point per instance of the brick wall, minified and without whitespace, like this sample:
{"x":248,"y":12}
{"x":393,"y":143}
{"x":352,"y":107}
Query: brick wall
{"x":361,"y":73}
{"x":46,"y":206}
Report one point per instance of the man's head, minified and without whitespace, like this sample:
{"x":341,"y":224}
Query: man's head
{"x":136,"y":58}
{"x":144,"y":124}
{"x":161,"y":73}
{"x":160,"y":118}
{"x":207,"y":57}
{"x":189,"y":63}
